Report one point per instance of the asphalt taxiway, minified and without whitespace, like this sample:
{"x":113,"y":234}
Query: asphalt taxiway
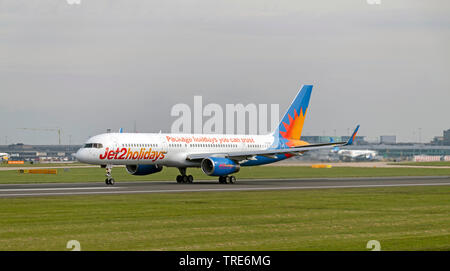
{"x":67,"y":189}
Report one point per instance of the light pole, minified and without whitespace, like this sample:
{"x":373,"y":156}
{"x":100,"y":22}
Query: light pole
{"x":420,"y":135}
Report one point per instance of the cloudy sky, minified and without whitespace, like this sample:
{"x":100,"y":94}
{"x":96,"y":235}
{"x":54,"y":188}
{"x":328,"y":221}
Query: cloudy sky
{"x":112,"y":63}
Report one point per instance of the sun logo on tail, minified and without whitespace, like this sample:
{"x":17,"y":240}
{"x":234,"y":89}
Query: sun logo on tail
{"x":294,"y":128}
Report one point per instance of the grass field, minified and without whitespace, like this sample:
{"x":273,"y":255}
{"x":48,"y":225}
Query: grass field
{"x":400,"y":218}
{"x":430,"y":164}
{"x":169,"y":174}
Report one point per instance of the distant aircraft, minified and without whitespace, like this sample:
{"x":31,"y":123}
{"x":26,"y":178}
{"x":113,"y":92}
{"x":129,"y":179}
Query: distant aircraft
{"x":217,"y":155}
{"x":357,"y":154}
{"x":353,"y":155}
{"x":4,"y":156}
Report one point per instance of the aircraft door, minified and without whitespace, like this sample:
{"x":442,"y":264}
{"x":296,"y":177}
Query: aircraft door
{"x":163,"y":144}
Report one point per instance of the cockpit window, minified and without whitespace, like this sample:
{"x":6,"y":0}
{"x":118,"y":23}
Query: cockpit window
{"x":93,"y":145}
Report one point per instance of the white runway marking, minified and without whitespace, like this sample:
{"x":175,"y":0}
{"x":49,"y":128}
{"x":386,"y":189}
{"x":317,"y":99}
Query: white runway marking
{"x":56,"y":189}
{"x":218,"y":189}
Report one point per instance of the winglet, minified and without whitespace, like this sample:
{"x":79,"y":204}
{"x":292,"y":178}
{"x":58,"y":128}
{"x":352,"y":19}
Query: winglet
{"x":121,"y":130}
{"x":352,"y":138}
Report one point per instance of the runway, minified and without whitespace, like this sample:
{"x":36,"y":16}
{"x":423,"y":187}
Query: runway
{"x":67,"y":189}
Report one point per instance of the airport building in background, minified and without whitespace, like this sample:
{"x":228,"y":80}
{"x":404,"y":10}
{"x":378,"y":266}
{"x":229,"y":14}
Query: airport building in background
{"x":443,"y":140}
{"x":40,"y":153}
{"x":447,"y":137}
{"x":388,"y":139}
{"x":388,"y":148}
{"x":359,"y":140}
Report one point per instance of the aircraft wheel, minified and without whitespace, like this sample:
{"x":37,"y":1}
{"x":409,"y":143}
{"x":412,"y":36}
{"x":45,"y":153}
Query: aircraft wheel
{"x":232,"y":179}
{"x":228,"y":179}
{"x":222,"y":179}
{"x":190,"y":179}
{"x":185,"y":179}
{"x":109,"y":181}
{"x":179,"y":179}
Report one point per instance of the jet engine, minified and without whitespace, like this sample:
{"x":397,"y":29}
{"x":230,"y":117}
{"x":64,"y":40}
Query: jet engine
{"x":219,"y":166}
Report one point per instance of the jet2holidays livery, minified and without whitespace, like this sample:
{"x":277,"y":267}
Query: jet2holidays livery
{"x":217,"y":155}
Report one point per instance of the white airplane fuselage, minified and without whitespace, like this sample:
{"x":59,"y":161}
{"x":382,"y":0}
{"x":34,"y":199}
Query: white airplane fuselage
{"x":165,"y":149}
{"x":354,"y":154}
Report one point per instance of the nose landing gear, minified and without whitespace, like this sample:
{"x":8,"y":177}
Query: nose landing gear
{"x":109,"y":179}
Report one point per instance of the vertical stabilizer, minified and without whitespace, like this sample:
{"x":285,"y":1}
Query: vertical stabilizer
{"x":290,"y":128}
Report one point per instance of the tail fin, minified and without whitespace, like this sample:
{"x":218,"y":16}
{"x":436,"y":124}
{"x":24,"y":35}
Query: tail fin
{"x":290,"y":128}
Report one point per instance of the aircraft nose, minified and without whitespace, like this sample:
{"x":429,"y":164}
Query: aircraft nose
{"x":80,"y":155}
{"x":77,"y":154}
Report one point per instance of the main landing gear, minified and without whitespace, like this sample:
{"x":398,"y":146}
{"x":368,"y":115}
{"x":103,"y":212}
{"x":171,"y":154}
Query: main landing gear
{"x":183,"y":178}
{"x":109,"y":179}
{"x":227,"y":179}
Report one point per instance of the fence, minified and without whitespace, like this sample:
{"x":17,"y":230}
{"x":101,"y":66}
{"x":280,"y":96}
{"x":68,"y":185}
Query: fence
{"x":427,"y":158}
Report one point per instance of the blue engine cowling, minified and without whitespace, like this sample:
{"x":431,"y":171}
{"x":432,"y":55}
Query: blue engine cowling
{"x":143,"y":169}
{"x":219,"y":166}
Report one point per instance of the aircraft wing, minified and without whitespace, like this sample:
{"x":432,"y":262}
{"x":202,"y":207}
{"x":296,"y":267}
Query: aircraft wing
{"x":271,"y":153}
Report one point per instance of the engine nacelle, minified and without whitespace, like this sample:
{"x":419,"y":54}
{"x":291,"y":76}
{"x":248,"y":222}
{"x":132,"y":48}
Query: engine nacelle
{"x":143,"y":169}
{"x":219,"y":166}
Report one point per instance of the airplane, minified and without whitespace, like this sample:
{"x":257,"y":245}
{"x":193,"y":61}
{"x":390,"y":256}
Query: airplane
{"x":217,"y":155}
{"x":349,"y":155}
{"x":4,"y":156}
{"x":357,"y":154}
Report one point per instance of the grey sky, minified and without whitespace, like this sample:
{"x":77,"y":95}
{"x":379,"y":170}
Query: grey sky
{"x":107,"y":63}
